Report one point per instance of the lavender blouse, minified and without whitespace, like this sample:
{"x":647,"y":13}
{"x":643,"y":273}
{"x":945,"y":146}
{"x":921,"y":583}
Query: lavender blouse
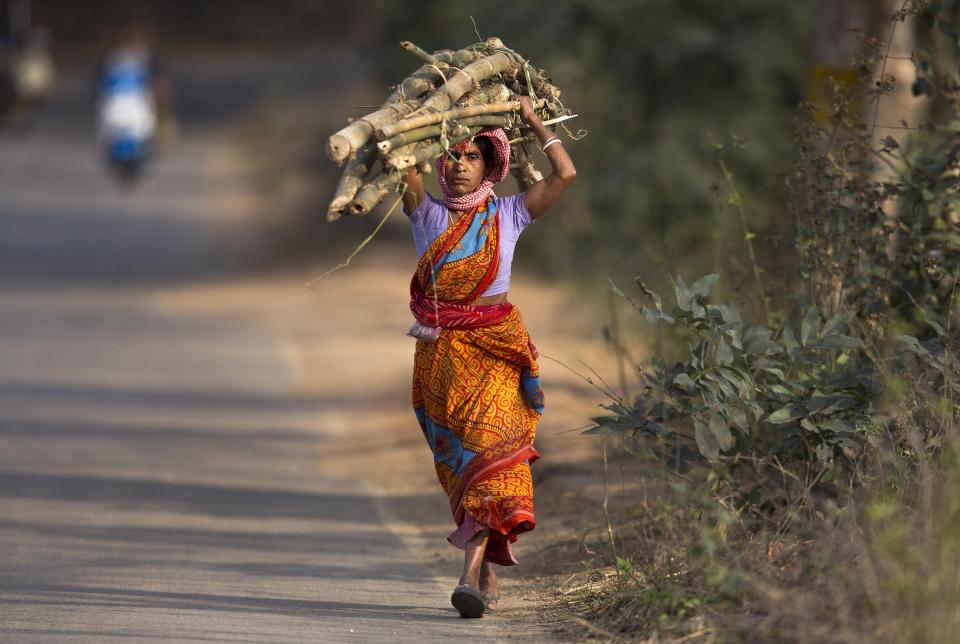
{"x":429,"y":219}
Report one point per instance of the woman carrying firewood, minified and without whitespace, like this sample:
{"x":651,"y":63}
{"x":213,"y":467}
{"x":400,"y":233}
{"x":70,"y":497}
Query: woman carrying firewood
{"x":476,"y":388}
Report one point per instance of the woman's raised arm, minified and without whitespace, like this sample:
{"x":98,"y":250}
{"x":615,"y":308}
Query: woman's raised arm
{"x":541,"y":196}
{"x":414,"y":192}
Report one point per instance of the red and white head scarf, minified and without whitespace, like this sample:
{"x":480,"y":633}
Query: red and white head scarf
{"x":497,"y":170}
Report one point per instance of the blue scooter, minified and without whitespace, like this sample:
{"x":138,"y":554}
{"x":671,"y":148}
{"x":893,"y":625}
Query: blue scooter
{"x":128,"y":120}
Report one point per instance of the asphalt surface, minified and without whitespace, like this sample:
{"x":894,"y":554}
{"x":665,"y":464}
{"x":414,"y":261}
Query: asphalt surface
{"x":158,"y":478}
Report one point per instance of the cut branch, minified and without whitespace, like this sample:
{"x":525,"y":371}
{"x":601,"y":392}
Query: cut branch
{"x":446,"y":57}
{"x":523,"y":169}
{"x":423,"y":152}
{"x":344,"y":143}
{"x":454,"y":128}
{"x":429,"y":59}
{"x":463,"y":80}
{"x":371,"y":194}
{"x":424,"y":80}
{"x":456,"y":114}
{"x":354,"y":174}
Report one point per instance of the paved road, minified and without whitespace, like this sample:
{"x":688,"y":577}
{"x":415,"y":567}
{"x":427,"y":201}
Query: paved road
{"x":158,"y":479}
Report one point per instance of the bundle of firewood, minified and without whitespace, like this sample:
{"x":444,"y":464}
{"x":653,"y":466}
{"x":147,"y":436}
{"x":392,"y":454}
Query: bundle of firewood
{"x":451,"y":97}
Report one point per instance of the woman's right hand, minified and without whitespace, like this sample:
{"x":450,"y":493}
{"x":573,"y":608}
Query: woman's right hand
{"x":414,"y":191}
{"x":527,"y":114}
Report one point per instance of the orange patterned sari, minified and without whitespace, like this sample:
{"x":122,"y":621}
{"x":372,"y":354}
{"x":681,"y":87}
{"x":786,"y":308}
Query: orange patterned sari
{"x":476,"y":389}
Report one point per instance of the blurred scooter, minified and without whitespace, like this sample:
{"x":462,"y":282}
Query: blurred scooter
{"x":127,"y":119}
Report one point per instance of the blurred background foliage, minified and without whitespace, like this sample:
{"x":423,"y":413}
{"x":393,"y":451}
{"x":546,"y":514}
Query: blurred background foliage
{"x":655,"y":84}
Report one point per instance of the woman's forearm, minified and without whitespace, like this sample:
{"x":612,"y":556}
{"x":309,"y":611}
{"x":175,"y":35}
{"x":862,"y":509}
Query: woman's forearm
{"x":560,"y":161}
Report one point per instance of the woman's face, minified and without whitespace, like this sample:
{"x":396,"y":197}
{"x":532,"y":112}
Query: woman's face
{"x":464,"y":174}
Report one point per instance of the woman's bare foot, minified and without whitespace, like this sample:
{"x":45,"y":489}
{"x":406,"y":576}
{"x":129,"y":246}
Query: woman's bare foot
{"x":489,"y":585}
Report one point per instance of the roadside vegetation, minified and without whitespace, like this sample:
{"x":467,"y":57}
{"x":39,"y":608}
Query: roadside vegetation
{"x":810,"y":435}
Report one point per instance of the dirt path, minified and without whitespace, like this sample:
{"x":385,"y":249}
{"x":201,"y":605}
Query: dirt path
{"x":348,"y":349}
{"x":194,"y":455}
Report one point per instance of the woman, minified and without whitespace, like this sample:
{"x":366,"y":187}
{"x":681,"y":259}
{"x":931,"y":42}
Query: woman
{"x":475,"y":387}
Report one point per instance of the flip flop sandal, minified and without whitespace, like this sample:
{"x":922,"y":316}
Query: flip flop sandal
{"x":468,"y":601}
{"x":487,"y":598}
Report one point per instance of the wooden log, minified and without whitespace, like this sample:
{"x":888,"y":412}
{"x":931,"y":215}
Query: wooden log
{"x":429,"y":59}
{"x":484,"y":95}
{"x":428,"y":76}
{"x":347,"y":141}
{"x":370,"y":194}
{"x":354,"y":174}
{"x":522,"y":167}
{"x":543,"y":87}
{"x":454,"y":128}
{"x":463,"y":80}
{"x":424,"y":80}
{"x":344,"y":143}
{"x":424,"y":151}
{"x":456,"y":114}
{"x":442,"y":57}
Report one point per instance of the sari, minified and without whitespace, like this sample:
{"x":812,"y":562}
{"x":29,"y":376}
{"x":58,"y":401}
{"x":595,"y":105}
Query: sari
{"x":476,"y":389}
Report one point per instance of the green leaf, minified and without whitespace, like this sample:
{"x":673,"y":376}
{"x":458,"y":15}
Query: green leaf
{"x":728,"y":391}
{"x":710,"y":392}
{"x":838,"y":404}
{"x":775,"y":371}
{"x":836,"y":426}
{"x":653,"y":315}
{"x":738,"y":417}
{"x":721,"y":431}
{"x":599,"y":430}
{"x":685,"y":297}
{"x":837,"y":323}
{"x":726,"y":312}
{"x":835,"y":341}
{"x":635,"y":446}
{"x":790,"y":342}
{"x":724,"y":355}
{"x":611,"y":425}
{"x":706,"y":441}
{"x":735,"y":333}
{"x":780,"y":390}
{"x":655,"y":428}
{"x":914,"y":345}
{"x":735,"y":378}
{"x":786,"y":414}
{"x":703,"y":287}
{"x":824,"y":453}
{"x":809,"y":425}
{"x":810,"y":326}
{"x":757,"y":340}
{"x":684,"y":382}
{"x":679,"y":458}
